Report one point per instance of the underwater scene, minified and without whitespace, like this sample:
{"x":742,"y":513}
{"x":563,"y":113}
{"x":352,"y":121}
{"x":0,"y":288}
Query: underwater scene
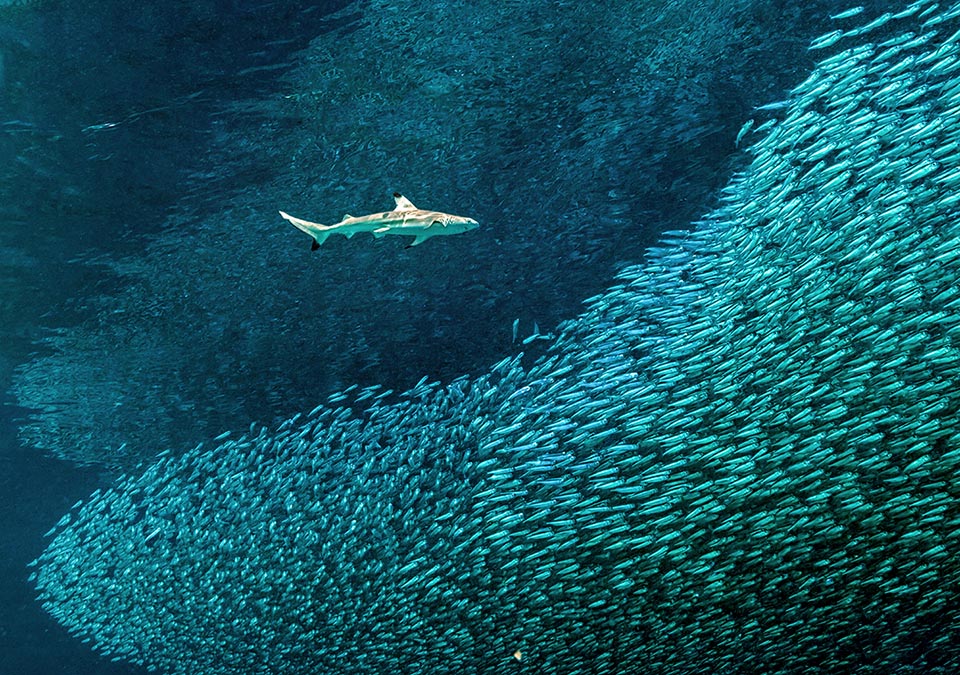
{"x":480,"y":337}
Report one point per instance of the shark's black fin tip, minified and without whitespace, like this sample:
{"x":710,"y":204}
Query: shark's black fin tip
{"x":397,"y":195}
{"x":314,"y":246}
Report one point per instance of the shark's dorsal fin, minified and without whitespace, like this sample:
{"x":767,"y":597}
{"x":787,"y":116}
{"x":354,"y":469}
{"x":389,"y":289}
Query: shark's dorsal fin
{"x":403,"y":204}
{"x":346,"y":216}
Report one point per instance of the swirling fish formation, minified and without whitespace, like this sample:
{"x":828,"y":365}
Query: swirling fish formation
{"x":742,"y":458}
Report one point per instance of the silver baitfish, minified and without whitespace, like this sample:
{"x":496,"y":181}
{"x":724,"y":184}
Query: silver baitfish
{"x":741,"y":458}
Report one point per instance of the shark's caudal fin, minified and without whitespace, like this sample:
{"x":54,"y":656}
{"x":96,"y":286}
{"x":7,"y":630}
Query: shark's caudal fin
{"x":316,"y":230}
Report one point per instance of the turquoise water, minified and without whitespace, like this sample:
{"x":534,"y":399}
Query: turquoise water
{"x":737,"y":457}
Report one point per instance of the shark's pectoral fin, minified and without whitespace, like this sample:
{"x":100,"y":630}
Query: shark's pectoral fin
{"x":380,"y":232}
{"x":314,"y":245}
{"x":420,"y":238}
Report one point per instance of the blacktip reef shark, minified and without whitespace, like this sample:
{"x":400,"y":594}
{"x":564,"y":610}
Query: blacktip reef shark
{"x":405,"y":219}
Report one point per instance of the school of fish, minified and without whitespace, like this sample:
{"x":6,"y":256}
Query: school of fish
{"x":741,"y":458}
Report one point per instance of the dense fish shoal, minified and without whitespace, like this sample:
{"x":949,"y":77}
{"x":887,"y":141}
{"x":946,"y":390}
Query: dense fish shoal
{"x":741,"y":458}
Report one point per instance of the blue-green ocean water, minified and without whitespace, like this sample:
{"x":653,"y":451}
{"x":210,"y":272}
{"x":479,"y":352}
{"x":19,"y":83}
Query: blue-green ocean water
{"x":152,"y":298}
{"x":106,"y":111}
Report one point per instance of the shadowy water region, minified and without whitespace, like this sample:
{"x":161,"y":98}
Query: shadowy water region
{"x":106,"y":114}
{"x":573,"y":134}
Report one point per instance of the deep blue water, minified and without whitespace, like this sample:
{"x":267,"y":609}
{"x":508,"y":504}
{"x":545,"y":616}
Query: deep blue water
{"x":134,"y":137}
{"x":105,"y":112}
{"x":34,"y":490}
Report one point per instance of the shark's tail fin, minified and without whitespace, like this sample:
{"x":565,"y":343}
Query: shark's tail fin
{"x":316,"y":230}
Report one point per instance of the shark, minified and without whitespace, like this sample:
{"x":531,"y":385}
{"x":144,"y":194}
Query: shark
{"x":405,"y":219}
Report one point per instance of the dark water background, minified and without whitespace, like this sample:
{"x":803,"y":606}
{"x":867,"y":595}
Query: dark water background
{"x":114,"y":115}
{"x":155,"y":71}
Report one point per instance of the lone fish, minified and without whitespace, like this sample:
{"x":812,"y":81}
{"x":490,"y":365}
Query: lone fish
{"x":405,"y":219}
